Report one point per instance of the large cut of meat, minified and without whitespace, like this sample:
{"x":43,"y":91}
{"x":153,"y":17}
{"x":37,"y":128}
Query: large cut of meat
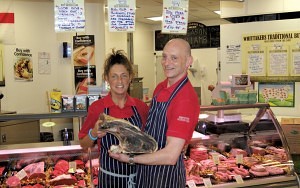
{"x":35,"y":170}
{"x":131,"y":138}
{"x":13,"y":181}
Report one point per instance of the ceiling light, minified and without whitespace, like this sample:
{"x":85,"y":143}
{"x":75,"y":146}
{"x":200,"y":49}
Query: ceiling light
{"x":48,"y":124}
{"x":159,"y":18}
{"x":217,"y":12}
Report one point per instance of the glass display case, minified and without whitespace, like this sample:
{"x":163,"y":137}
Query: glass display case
{"x":239,"y":146}
{"x":47,"y":164}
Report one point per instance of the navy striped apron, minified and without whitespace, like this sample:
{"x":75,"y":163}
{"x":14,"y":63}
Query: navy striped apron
{"x":161,"y":176}
{"x":115,"y":174}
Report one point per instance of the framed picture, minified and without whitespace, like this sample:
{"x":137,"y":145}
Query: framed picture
{"x":277,"y":94}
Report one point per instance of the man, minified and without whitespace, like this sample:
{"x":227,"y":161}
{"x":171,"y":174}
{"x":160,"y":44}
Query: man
{"x":172,"y":118}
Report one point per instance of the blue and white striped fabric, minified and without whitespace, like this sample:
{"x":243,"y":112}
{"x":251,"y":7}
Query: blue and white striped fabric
{"x":161,"y":176}
{"x":115,"y":174}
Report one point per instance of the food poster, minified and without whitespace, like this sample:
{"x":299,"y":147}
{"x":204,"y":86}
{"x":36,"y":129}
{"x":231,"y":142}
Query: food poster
{"x":121,"y":15}
{"x":23,"y":66}
{"x":175,"y":16}
{"x":84,"y":76}
{"x":83,"y":50}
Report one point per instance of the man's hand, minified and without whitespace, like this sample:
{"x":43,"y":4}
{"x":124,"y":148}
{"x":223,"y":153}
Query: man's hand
{"x":119,"y":156}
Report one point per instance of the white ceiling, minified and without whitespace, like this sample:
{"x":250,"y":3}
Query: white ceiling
{"x":199,"y":11}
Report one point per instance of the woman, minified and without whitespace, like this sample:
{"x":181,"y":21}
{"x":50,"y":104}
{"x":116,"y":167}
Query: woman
{"x":118,"y":72}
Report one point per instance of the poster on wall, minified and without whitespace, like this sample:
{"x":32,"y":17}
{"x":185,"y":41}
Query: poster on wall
{"x":69,"y":16}
{"x":273,"y":56}
{"x":278,"y":60}
{"x":233,"y":53}
{"x":175,"y":16}
{"x":84,"y":76}
{"x":83,"y":50}
{"x":295,"y":65}
{"x":256,"y":65}
{"x":121,"y":15}
{"x":2,"y":81}
{"x":44,"y":63}
{"x":23,"y":66}
{"x":277,"y":94}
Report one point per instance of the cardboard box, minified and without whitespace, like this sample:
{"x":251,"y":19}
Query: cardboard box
{"x":291,"y":130}
{"x":92,"y":98}
{"x":68,"y":103}
{"x":80,"y":103}
{"x":55,"y":101}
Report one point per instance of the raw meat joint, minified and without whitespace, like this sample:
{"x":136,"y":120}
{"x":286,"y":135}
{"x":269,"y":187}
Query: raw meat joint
{"x":131,"y":138}
{"x":42,"y":174}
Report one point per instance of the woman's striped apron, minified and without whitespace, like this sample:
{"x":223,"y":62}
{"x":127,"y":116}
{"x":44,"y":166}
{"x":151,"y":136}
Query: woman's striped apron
{"x":115,"y":174}
{"x":161,"y":176}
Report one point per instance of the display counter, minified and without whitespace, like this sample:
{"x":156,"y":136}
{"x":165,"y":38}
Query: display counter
{"x":225,"y":151}
{"x":228,"y":157}
{"x":47,"y":164}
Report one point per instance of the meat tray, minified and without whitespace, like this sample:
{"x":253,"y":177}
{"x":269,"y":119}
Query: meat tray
{"x":48,"y":167}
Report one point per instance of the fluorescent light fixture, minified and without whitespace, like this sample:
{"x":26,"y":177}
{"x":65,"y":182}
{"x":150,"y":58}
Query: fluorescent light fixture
{"x":159,"y":18}
{"x":218,"y":12}
{"x":203,"y":116}
{"x":48,"y":124}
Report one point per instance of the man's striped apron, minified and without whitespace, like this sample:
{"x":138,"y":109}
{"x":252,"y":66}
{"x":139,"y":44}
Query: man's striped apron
{"x":161,"y":176}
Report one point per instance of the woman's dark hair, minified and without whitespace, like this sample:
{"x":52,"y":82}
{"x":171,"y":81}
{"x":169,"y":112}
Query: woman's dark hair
{"x":117,"y":57}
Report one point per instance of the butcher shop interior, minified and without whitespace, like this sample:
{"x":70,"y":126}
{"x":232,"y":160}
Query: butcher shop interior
{"x":245,"y":72}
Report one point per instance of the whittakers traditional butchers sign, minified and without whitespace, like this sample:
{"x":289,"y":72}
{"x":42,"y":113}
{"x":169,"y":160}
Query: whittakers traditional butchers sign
{"x":69,"y":16}
{"x":121,"y":15}
{"x":175,"y":16}
{"x":271,"y":54}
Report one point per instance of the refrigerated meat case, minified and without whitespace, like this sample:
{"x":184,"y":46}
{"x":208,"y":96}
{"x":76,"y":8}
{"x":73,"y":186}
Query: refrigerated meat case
{"x":15,"y":157}
{"x":244,"y":138}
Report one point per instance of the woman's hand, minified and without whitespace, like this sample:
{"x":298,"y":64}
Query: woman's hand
{"x":100,"y":134}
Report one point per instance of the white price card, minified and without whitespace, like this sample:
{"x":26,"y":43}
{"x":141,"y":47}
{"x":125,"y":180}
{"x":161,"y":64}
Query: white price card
{"x":207,"y":182}
{"x":72,"y":167}
{"x":216,"y":159}
{"x":191,"y":184}
{"x":21,"y":174}
{"x":238,"y":179}
{"x":239,"y":159}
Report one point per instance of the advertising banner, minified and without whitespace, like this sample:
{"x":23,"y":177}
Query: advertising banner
{"x":23,"y":65}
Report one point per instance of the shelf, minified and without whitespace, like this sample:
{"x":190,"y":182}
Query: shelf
{"x":231,"y":107}
{"x":8,"y":117}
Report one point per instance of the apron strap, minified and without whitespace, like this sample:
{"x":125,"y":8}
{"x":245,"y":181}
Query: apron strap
{"x":130,"y":183}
